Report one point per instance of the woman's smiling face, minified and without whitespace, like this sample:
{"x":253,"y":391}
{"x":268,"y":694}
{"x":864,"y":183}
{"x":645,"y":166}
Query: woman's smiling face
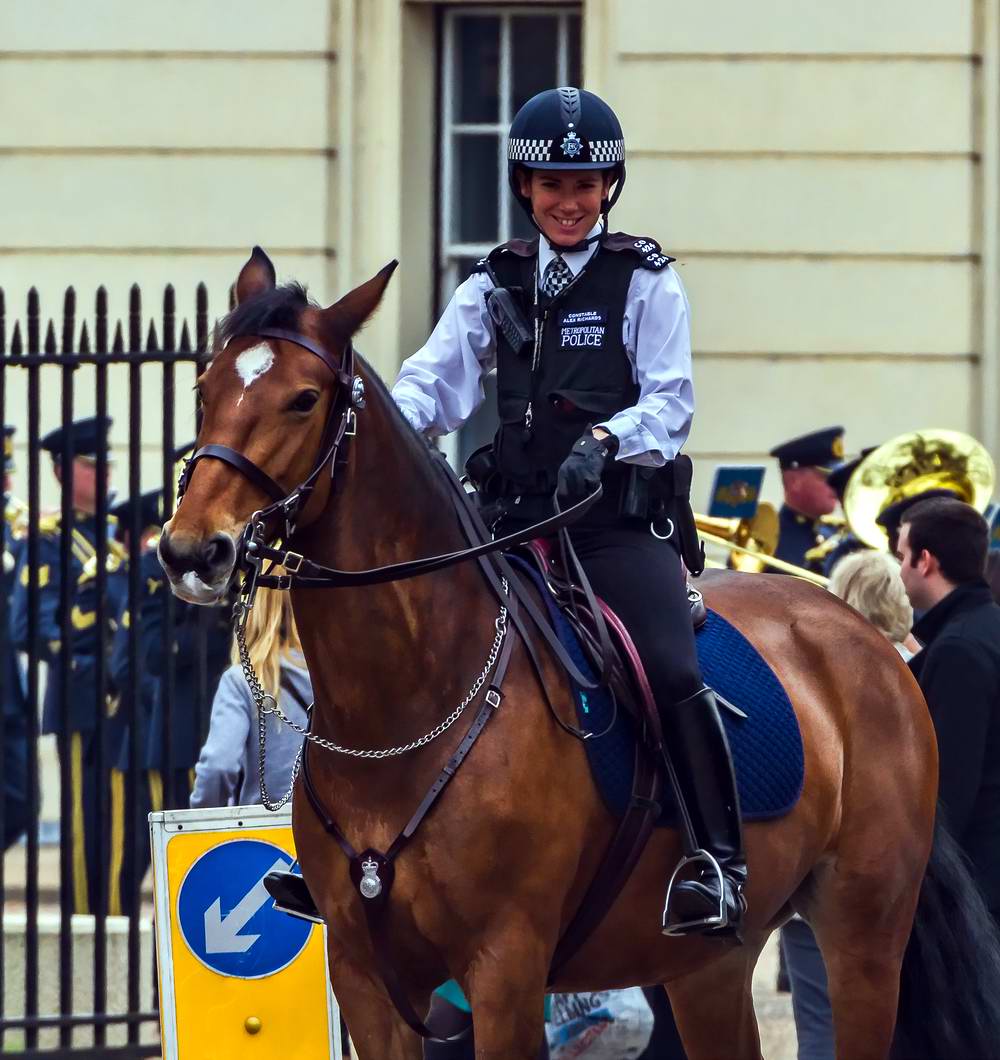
{"x":566,"y":202}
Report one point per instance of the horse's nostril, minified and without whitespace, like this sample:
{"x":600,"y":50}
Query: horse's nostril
{"x":219,"y":552}
{"x":167,"y":554}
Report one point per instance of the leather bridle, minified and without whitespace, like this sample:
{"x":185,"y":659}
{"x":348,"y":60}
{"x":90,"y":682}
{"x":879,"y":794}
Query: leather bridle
{"x":341,"y":423}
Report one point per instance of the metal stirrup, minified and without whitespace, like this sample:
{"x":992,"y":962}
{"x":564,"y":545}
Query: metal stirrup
{"x":709,"y":923}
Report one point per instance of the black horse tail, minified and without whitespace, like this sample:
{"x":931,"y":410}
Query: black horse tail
{"x":949,"y":996}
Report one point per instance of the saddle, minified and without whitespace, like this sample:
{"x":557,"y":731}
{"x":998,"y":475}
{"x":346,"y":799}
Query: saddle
{"x":627,"y":676}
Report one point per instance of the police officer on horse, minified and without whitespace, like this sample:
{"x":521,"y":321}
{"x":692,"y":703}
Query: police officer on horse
{"x":588,"y":332}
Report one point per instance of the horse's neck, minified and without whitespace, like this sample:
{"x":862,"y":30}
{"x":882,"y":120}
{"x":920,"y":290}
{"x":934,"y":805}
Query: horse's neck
{"x":386,"y":660}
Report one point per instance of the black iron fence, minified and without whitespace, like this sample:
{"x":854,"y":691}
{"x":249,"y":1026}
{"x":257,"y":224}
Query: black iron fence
{"x":92,"y":655}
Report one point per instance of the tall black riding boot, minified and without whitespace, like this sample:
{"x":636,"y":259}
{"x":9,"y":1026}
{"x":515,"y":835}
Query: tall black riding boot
{"x":706,"y":892}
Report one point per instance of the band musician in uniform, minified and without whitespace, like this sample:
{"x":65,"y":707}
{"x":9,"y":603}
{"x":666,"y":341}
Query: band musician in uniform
{"x":16,"y":812}
{"x":805,"y":464}
{"x":97,"y":850}
{"x":589,"y":334}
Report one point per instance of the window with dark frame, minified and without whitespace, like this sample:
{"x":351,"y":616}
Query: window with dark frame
{"x":494,"y":59}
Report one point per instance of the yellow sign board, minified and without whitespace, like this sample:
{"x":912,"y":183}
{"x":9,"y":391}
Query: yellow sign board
{"x":238,"y":979}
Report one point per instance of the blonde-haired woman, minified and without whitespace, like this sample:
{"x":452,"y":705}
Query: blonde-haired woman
{"x":870,"y":583}
{"x":227,"y":772}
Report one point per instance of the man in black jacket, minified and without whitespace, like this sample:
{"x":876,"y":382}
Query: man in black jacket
{"x":942,"y":548}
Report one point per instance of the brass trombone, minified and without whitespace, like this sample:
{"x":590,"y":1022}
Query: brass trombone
{"x":751,"y":542}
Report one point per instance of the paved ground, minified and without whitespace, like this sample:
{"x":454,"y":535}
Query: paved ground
{"x":774,"y":1010}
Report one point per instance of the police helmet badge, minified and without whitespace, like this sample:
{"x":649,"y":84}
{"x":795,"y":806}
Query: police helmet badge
{"x":571,"y":145}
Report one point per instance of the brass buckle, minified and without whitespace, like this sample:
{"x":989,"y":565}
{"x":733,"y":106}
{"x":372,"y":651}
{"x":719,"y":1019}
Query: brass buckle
{"x":292,"y":562}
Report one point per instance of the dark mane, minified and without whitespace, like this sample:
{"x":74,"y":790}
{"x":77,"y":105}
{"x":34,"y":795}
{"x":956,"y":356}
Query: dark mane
{"x":279,"y":307}
{"x":417,"y":442}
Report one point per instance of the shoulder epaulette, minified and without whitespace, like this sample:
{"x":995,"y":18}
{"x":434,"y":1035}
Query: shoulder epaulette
{"x":519,"y":248}
{"x":16,"y":514}
{"x":650,"y":253}
{"x":114,"y":561}
{"x":49,"y":524}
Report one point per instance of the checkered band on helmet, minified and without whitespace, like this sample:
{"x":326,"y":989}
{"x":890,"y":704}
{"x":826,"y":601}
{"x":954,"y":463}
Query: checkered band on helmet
{"x":521,"y":150}
{"x":598,"y":152}
{"x":607,"y":150}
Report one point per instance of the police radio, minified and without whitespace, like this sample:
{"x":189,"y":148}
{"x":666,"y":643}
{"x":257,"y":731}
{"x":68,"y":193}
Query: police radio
{"x":510,"y":319}
{"x":508,"y":316}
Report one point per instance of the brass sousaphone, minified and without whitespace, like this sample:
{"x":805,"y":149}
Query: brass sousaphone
{"x":909,"y":465}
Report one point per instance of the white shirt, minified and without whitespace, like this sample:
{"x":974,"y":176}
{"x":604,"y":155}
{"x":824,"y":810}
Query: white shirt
{"x":440,"y":386}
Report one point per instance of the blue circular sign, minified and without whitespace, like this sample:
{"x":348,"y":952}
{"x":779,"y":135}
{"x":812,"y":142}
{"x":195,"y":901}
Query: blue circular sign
{"x":228,"y":919}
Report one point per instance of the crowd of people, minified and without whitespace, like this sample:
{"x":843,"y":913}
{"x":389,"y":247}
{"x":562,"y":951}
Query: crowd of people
{"x":934,"y":595}
{"x":90,"y":678}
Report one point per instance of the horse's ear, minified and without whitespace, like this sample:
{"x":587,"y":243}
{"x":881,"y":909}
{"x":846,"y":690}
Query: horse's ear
{"x":347,"y":315}
{"x":256,"y":276}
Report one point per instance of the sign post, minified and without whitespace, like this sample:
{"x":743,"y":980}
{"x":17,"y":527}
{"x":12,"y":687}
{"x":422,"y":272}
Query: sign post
{"x":238,"y":979}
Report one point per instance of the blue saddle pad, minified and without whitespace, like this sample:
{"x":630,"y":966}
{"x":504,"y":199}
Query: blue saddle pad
{"x":766,"y":745}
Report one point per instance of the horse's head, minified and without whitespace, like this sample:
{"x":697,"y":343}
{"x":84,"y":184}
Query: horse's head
{"x":270,"y":400}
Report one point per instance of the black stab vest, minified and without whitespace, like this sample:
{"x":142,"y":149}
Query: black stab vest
{"x":578,"y":375}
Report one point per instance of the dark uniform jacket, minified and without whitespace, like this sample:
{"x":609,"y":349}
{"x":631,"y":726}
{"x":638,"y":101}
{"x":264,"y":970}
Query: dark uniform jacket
{"x":200,"y":645}
{"x":15,"y":703}
{"x":959,"y":672}
{"x":82,"y":706}
{"x":797,"y":534}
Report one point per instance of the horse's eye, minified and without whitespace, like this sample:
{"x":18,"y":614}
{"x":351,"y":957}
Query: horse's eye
{"x":305,"y":401}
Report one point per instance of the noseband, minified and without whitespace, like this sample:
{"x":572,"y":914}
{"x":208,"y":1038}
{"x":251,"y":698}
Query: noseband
{"x":341,"y":423}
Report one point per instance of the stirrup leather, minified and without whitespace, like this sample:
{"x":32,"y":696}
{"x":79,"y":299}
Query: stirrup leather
{"x":710,"y":923}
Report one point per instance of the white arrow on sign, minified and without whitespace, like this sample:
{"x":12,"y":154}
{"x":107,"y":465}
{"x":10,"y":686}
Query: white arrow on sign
{"x":223,"y":936}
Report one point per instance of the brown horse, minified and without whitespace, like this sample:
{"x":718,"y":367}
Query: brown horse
{"x":498,"y":868}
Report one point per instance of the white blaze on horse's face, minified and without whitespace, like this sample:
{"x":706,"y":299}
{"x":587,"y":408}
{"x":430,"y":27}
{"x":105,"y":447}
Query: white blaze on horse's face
{"x":252,"y":364}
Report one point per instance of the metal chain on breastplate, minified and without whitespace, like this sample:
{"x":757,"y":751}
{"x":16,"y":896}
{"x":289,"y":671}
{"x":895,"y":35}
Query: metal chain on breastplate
{"x":260,"y":697}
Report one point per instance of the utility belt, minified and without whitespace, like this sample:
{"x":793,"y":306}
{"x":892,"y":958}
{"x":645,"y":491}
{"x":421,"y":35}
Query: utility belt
{"x":657,"y":496}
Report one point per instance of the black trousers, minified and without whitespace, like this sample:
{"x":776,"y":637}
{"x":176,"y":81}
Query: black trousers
{"x":642,"y":580}
{"x":810,"y":1000}
{"x":97,"y":830}
{"x":15,"y":778}
{"x":665,"y":1044}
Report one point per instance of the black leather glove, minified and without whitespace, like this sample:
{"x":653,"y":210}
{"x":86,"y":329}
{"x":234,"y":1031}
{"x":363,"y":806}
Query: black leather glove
{"x":580,"y":473}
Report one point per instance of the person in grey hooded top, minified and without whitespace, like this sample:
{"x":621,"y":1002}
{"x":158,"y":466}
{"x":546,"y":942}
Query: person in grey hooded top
{"x":227,"y":772}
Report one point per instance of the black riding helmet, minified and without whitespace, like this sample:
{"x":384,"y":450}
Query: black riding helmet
{"x":566,"y":128}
